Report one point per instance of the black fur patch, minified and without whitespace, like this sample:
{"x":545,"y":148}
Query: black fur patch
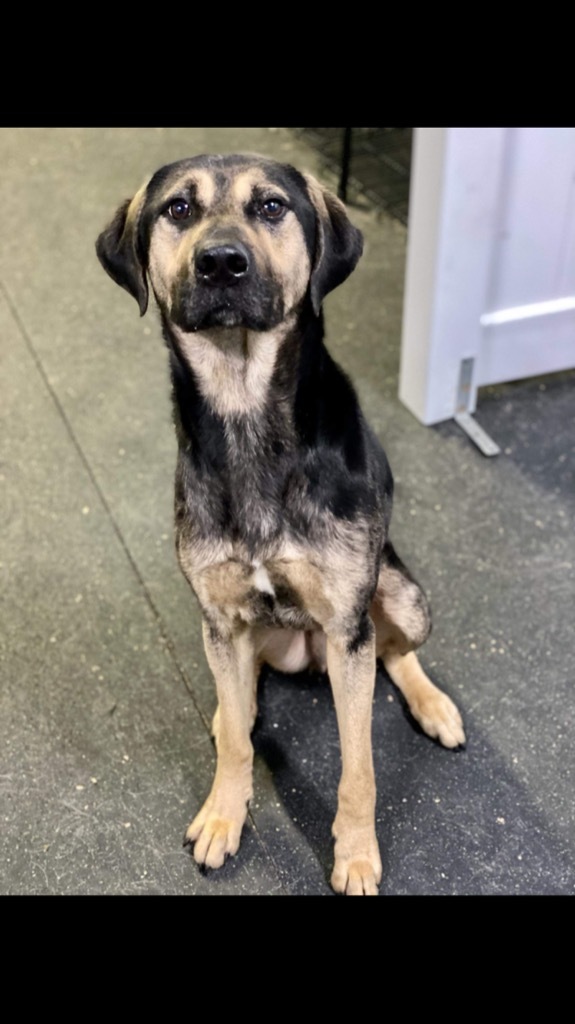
{"x":362,"y":634}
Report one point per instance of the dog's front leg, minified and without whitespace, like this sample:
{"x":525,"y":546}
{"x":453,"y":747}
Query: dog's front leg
{"x":351,"y":667}
{"x":216,"y":830}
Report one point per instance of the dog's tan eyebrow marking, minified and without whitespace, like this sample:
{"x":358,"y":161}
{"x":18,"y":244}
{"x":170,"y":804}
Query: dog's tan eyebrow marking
{"x":199,"y":182}
{"x":205,"y":188}
{"x":255,"y":179}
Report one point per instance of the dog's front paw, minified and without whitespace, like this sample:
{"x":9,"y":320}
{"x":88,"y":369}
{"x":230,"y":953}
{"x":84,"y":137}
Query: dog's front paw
{"x":439,"y":718}
{"x":357,"y":868}
{"x":216,"y":831}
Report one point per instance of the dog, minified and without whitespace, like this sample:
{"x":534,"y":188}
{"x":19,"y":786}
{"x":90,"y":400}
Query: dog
{"x":283,"y":494}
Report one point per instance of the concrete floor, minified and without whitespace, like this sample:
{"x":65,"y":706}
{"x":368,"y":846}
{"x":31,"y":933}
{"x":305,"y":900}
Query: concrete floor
{"x":105,"y":695}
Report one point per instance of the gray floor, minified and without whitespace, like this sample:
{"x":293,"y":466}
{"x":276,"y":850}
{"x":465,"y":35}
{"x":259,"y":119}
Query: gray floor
{"x":105,"y":696}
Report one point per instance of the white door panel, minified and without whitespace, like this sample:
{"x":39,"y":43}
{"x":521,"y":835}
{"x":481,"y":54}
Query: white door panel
{"x":527,"y":348}
{"x":491,"y":229}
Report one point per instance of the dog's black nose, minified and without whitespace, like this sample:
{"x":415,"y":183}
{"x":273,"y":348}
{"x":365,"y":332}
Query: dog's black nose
{"x":222,"y":265}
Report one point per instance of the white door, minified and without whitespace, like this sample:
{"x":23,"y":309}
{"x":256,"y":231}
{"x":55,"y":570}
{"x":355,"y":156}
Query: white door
{"x":490,"y":278}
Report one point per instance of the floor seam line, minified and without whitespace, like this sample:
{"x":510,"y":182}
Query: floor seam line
{"x":169,"y":646}
{"x":168,"y":643}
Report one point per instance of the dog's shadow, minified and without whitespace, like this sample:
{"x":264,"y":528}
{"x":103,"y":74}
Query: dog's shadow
{"x":296,"y":736}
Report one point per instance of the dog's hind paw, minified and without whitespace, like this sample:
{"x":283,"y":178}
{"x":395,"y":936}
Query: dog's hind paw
{"x":439,"y":718}
{"x":432,"y":709}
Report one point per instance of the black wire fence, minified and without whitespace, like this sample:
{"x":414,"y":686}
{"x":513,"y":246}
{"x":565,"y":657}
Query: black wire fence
{"x":370,"y":162}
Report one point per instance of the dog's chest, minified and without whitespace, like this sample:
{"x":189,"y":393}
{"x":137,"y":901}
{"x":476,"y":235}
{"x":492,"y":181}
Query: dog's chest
{"x":247,"y":488}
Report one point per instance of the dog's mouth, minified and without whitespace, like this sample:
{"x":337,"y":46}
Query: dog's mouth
{"x":196,"y":307}
{"x":224,"y":314}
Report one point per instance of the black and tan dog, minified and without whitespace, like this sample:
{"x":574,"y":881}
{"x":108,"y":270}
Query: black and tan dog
{"x":283,"y":494}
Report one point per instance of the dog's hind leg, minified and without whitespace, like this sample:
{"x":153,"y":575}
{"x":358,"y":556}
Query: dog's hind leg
{"x":433,"y":709}
{"x":216,"y":830}
{"x":402,"y":620}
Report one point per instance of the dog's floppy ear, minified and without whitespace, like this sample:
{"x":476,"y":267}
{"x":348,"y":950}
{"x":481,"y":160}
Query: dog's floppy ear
{"x":338,"y":243}
{"x":121,"y":252}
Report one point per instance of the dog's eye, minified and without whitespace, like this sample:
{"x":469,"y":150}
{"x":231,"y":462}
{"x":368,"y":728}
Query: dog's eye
{"x":273,"y":208}
{"x":179,"y":209}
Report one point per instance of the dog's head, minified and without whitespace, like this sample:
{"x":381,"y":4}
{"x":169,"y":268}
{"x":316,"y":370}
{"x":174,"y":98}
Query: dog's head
{"x":230,"y":241}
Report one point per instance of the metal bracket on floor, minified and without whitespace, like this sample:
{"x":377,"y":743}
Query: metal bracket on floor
{"x":464,"y":419}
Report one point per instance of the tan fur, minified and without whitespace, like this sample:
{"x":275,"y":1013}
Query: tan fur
{"x":163,"y":261}
{"x":396,"y":613}
{"x":205,"y":188}
{"x":433,"y":709}
{"x":216,"y":830}
{"x":244,"y":183}
{"x":233,"y":373}
{"x":135,"y":209}
{"x":357,"y":867}
{"x":288,"y":259}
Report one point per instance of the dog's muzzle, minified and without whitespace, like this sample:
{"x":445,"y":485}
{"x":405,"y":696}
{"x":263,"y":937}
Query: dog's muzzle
{"x":223,"y":287}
